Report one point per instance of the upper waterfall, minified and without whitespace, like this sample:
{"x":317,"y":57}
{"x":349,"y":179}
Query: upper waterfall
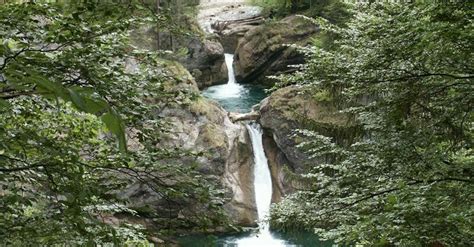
{"x":229,"y":60}
{"x":229,"y":90}
{"x":233,"y":96}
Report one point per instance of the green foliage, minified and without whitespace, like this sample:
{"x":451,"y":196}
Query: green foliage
{"x":323,"y":96}
{"x":283,"y":7}
{"x":405,"y":72}
{"x":68,"y":75}
{"x":42,"y":61}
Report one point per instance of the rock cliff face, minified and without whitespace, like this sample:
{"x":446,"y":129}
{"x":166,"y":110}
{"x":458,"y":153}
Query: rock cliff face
{"x":285,"y":111}
{"x":205,"y":60}
{"x":231,"y":32}
{"x":202,"y":126}
{"x":205,"y":127}
{"x":203,"y":57}
{"x":262,"y":51}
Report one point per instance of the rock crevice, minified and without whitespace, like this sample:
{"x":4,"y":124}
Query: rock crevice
{"x":289,"y":109}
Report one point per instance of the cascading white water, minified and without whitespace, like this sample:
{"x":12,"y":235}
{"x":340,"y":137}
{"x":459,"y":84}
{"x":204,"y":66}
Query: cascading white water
{"x":229,"y":60}
{"x":262,"y":177}
{"x":232,"y":91}
{"x":263,"y":193}
{"x":226,"y":91}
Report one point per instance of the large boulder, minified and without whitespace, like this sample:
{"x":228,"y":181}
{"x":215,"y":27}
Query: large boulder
{"x":205,"y":60}
{"x":230,"y":32}
{"x":289,"y":109}
{"x":263,"y":51}
{"x":204,"y":127}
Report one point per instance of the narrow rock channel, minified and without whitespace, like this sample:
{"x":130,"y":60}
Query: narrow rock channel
{"x":229,"y":95}
{"x":230,"y":20}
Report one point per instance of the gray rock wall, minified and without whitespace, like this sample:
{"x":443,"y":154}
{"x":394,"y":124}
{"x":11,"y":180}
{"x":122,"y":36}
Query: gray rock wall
{"x":202,"y":126}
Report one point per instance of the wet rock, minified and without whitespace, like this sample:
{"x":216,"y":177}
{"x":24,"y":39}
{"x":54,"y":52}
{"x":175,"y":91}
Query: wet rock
{"x":239,"y":177}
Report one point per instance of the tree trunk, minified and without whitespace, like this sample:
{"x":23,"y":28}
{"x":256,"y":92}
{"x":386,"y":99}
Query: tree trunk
{"x":158,"y":42}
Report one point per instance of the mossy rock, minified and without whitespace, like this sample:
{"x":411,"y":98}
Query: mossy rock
{"x":214,"y":136}
{"x":292,"y":108}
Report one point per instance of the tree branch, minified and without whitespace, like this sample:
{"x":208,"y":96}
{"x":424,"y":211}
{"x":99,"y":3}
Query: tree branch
{"x":370,"y":196}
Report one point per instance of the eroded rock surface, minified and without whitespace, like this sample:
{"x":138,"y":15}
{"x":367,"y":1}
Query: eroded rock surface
{"x":281,"y":114}
{"x":263,"y":51}
{"x":199,"y":125}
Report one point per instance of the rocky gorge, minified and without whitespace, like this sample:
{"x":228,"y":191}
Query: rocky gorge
{"x":203,"y":126}
{"x":247,"y":123}
{"x":260,"y":50}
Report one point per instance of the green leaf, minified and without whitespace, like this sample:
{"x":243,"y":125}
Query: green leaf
{"x":115,"y":125}
{"x":95,"y":106}
{"x":14,"y":77}
{"x":77,"y":99}
{"x":4,"y":104}
{"x":49,"y":86}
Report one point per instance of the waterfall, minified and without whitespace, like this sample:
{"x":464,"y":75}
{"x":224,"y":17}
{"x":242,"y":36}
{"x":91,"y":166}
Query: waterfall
{"x":262,"y":178}
{"x":263,"y":193}
{"x":230,"y":90}
{"x":235,"y":92}
{"x":229,"y":60}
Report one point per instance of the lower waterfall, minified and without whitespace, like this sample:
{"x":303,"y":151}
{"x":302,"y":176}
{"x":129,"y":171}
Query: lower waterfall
{"x":263,"y":193}
{"x":262,"y":177}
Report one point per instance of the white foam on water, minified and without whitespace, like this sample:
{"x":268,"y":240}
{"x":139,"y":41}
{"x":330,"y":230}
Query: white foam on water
{"x":230,"y":90}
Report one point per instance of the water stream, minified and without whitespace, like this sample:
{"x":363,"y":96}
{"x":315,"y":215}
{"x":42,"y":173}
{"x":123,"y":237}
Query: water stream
{"x":240,"y":98}
{"x":233,"y":96}
{"x":263,"y":194}
{"x":237,"y":97}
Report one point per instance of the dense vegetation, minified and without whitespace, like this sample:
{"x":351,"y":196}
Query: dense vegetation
{"x":80,"y":92}
{"x":69,"y":75}
{"x":405,"y":74}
